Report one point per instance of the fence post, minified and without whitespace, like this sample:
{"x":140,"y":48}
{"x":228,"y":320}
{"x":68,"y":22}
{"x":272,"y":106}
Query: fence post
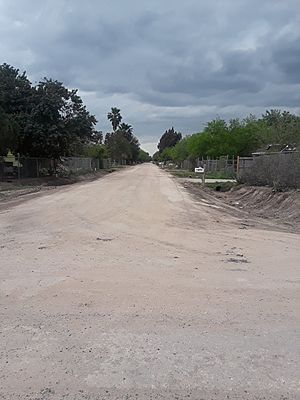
{"x":37,"y":168}
{"x":19,"y":172}
{"x":237,"y":165}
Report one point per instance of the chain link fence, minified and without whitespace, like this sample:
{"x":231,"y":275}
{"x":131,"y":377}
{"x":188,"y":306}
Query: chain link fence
{"x":15,"y":167}
{"x":221,"y":164}
{"x":278,"y":170}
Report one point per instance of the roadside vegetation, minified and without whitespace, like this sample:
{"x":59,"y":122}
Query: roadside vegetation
{"x":48,"y":120}
{"x":272,"y":131}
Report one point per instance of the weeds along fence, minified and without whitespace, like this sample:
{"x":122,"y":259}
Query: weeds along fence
{"x":279,"y":170}
{"x":14,"y":167}
{"x":224,"y":164}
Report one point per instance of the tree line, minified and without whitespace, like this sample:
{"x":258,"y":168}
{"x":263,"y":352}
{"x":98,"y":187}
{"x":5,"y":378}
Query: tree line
{"x":49,"y":120}
{"x":274,"y":131}
{"x":121,"y":144}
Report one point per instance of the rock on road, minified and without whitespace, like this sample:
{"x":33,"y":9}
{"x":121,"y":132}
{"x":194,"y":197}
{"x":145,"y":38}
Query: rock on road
{"x":128,"y":288}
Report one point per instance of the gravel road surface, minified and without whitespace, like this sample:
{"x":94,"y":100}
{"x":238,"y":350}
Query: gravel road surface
{"x":129,"y":288}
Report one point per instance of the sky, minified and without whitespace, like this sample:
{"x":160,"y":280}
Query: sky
{"x":164,"y":63}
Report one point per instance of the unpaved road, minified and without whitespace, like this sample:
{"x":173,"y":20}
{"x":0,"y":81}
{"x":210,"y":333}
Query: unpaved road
{"x":127,"y":288}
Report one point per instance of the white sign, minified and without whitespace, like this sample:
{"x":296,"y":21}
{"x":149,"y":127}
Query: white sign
{"x":200,"y":170}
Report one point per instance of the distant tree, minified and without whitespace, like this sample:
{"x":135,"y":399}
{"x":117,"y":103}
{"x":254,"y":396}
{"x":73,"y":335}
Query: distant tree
{"x":167,"y":154}
{"x":134,"y":149}
{"x":155,"y":156}
{"x":134,"y":143}
{"x":216,"y":127}
{"x":180,"y":150}
{"x":127,"y":131}
{"x":221,"y":139}
{"x":169,"y":139}
{"x":234,"y":138}
{"x":118,"y":146}
{"x":121,"y":142}
{"x":96,"y":137}
{"x":114,"y":117}
{"x":143,"y":156}
{"x":96,"y":151}
{"x":282,"y":127}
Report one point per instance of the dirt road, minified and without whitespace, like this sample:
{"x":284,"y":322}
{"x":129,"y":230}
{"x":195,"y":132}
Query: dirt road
{"x":127,"y":288}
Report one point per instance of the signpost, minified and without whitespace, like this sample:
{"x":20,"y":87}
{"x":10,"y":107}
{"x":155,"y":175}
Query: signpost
{"x":200,"y":170}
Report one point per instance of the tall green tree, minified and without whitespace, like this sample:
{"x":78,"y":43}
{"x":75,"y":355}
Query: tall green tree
{"x":8,"y":133}
{"x":121,"y":143}
{"x":15,"y":91}
{"x":16,"y":103}
{"x":127,"y":131}
{"x":118,"y":146}
{"x":169,"y":139}
{"x":59,"y":122}
{"x":47,"y":120}
{"x":115,"y":118}
{"x":180,"y":150}
{"x":283,"y":128}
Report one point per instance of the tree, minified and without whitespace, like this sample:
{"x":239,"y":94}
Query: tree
{"x":282,"y":127}
{"x":8,"y":133}
{"x":126,"y":130}
{"x":121,"y":143}
{"x":98,"y":151}
{"x":118,"y":146}
{"x":180,"y":150}
{"x":47,"y":120}
{"x":59,"y":123}
{"x":15,"y":91}
{"x":220,"y":139}
{"x":169,"y":139}
{"x":143,"y":156}
{"x":167,"y":154}
{"x":16,"y":102}
{"x":156,"y":157}
{"x":115,"y":118}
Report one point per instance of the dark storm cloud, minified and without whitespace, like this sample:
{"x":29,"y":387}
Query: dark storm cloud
{"x":162,"y":62}
{"x":286,"y":56}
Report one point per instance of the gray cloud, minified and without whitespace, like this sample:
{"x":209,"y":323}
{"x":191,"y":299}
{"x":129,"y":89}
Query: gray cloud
{"x":163,"y":63}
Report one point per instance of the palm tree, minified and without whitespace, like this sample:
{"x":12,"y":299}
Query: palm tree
{"x":115,"y":117}
{"x":127,"y":131}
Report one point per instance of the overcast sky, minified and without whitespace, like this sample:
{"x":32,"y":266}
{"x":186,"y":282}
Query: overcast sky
{"x":163,"y":62}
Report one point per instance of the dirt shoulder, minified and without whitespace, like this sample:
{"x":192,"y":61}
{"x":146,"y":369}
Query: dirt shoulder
{"x":15,"y":192}
{"x":256,"y":205}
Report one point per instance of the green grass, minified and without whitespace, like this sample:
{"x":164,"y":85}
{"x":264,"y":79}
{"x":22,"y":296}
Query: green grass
{"x":220,"y":175}
{"x":180,"y":173}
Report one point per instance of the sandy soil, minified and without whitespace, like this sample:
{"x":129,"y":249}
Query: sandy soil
{"x":16,"y":191}
{"x":130,"y":288}
{"x":259,"y":206}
